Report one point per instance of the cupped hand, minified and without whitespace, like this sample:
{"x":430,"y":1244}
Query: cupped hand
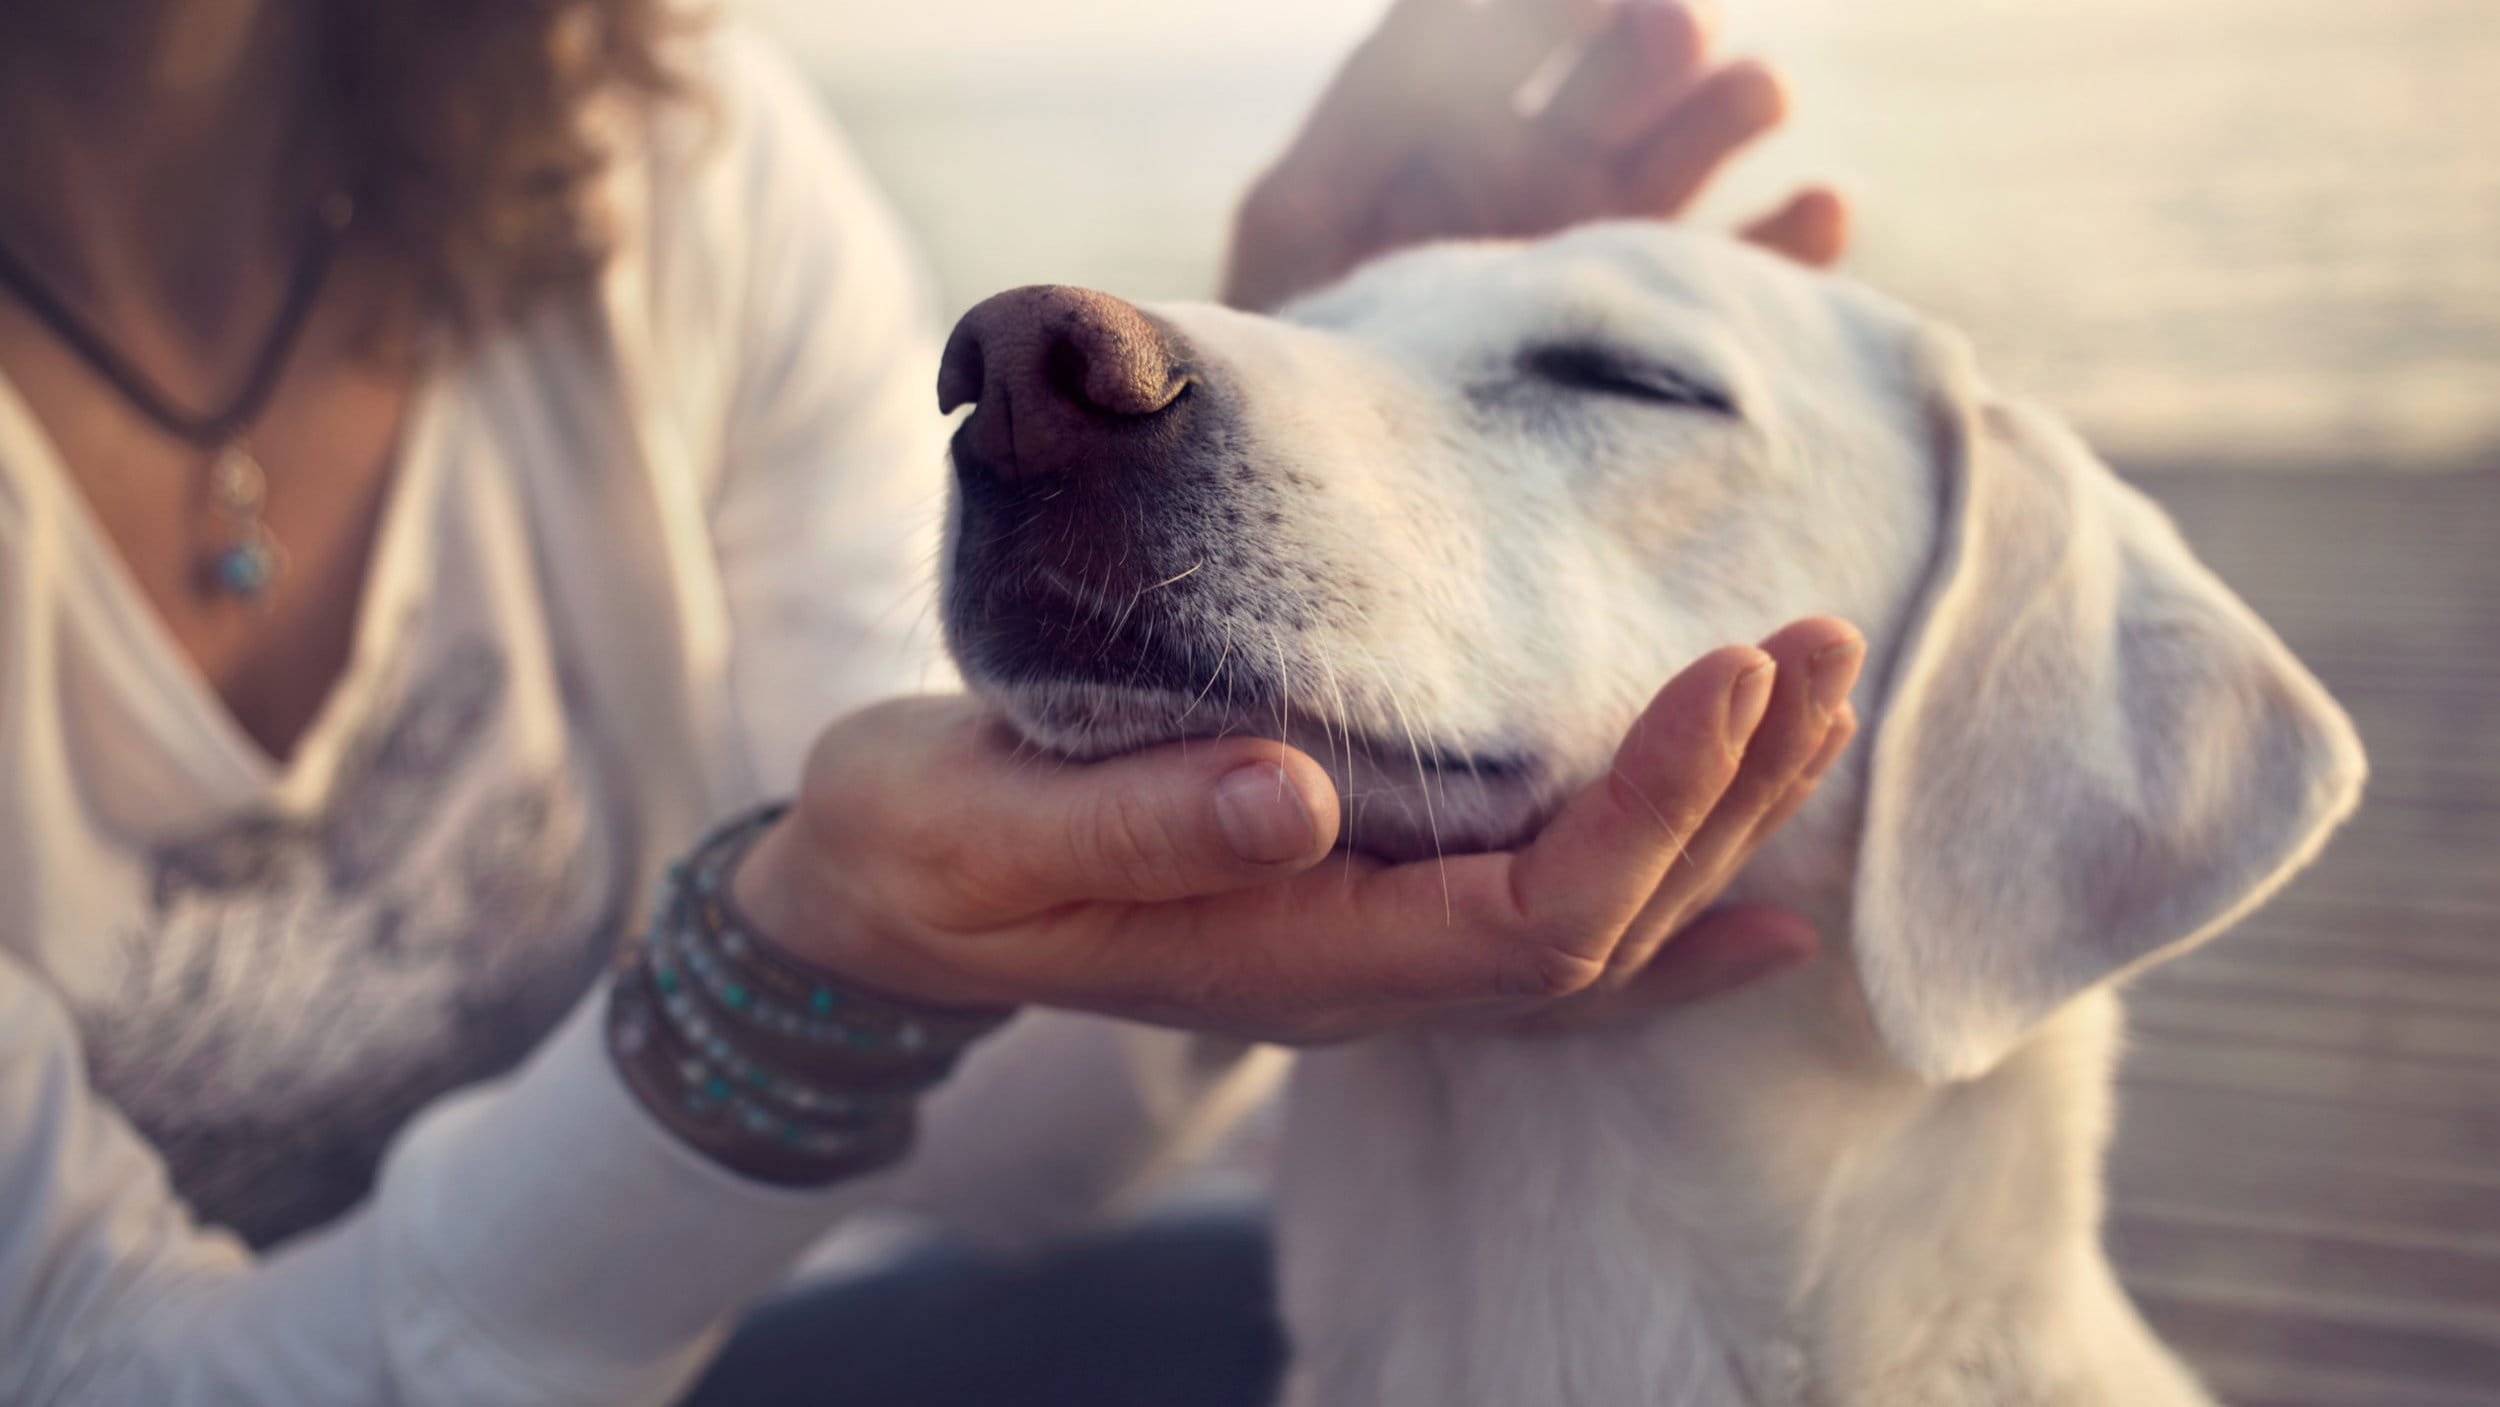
{"x":1422,"y":135}
{"x":929,"y":856}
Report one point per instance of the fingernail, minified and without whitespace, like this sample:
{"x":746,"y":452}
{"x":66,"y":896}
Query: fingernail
{"x":1833,"y":670}
{"x":1747,"y":701}
{"x":1261,"y":814}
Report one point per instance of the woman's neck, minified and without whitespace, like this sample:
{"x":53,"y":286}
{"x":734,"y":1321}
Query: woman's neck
{"x":136,"y":120}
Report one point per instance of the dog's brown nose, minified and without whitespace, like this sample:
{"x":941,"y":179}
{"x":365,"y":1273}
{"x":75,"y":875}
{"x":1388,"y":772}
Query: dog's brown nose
{"x":1054,"y":376}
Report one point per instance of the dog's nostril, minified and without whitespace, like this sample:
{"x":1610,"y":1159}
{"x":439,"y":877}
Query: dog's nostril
{"x":1052,"y":371}
{"x":1109,"y":357}
{"x":960,"y":369}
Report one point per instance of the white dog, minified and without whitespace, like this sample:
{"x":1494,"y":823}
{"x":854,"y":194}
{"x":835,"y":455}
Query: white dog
{"x":1447,"y":526}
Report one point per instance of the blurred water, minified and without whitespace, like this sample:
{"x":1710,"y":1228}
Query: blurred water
{"x":2259,"y":233}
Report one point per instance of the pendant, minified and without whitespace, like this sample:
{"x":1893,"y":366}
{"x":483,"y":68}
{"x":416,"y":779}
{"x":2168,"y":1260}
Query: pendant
{"x":244,"y":570}
{"x":250,"y":561}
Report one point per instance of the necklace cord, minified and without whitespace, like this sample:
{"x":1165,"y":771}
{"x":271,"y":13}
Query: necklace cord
{"x":219,"y":427}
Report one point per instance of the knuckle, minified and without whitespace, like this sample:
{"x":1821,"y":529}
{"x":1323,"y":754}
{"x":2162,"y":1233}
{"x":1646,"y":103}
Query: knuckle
{"x":1546,"y":968}
{"x":1125,"y":840}
{"x":1676,"y":809}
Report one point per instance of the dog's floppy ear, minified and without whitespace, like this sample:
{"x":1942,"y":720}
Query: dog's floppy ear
{"x":2091,"y":756}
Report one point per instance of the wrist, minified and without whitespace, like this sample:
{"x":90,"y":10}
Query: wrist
{"x":783,"y":894}
{"x":767,"y":1064}
{"x":785,"y":889}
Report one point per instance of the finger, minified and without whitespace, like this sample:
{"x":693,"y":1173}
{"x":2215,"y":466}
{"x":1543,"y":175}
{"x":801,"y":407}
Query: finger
{"x":1275,"y":958}
{"x":1629,"y":79}
{"x":1591,"y":868}
{"x":1720,"y":114}
{"x":1553,"y":18}
{"x":1478,"y":52}
{"x":1722,"y":951}
{"x":1811,"y":227}
{"x":1166,"y":823}
{"x":1844,"y":729}
{"x":1427,"y":62}
{"x":1818,"y":662}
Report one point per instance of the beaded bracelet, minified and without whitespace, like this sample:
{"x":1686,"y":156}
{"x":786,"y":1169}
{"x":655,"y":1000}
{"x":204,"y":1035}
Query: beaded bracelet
{"x":710,"y":1099}
{"x":712,"y":1026}
{"x":776,"y":993}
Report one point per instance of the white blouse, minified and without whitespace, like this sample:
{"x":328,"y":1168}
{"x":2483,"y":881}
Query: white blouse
{"x":634,"y":556}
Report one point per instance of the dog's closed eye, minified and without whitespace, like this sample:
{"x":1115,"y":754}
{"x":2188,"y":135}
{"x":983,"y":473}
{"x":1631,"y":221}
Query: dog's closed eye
{"x":1607,"y":371}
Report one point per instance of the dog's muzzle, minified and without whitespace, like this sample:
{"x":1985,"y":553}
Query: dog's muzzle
{"x":1088,"y":476}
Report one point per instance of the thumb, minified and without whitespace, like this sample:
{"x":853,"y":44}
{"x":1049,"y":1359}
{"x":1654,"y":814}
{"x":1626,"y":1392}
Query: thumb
{"x":1171,"y":822}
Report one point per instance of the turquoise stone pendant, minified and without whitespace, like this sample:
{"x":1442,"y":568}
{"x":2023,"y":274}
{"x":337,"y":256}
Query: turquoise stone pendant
{"x":250,"y":561}
{"x":246,"y":569}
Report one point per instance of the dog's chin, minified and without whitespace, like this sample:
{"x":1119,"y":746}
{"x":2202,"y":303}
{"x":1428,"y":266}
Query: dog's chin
{"x":1401,"y":801}
{"x":1085,"y":721}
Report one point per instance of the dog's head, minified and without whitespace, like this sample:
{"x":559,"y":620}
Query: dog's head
{"x":1447,"y":525}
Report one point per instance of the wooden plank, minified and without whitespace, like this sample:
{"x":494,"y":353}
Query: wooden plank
{"x":2270,"y":1383}
{"x":2197,"y":1121}
{"x":2425,"y":1275}
{"x":2272,"y":1324}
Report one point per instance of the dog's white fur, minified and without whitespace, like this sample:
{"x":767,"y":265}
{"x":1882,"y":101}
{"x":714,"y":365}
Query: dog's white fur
{"x":1873,"y":1181}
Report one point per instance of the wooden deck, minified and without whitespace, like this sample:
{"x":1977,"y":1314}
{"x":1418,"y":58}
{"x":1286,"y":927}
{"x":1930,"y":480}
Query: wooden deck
{"x":2306,"y":1185}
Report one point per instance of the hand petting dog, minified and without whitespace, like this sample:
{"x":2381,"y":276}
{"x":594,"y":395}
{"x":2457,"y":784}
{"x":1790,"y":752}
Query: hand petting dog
{"x":1424,"y":135}
{"x":932,"y":856}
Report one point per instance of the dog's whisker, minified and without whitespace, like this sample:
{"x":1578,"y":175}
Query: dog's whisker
{"x":1112,"y":636}
{"x":1229,"y":713}
{"x":1345,"y":729}
{"x":1130,"y":531}
{"x":1221,"y":658}
{"x":1284,"y":697}
{"x":1184,"y":575}
{"x":1432,"y":820}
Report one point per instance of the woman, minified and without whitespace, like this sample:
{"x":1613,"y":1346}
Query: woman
{"x":453,"y":456}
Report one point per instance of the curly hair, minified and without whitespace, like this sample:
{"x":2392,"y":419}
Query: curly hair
{"x":469,"y":126}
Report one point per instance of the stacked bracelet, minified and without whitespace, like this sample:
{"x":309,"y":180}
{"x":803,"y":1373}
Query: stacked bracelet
{"x":778,"y":1069}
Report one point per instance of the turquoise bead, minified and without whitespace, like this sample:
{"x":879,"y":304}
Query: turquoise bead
{"x":821,"y":1001}
{"x":734,"y":995}
{"x":246,"y":569}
